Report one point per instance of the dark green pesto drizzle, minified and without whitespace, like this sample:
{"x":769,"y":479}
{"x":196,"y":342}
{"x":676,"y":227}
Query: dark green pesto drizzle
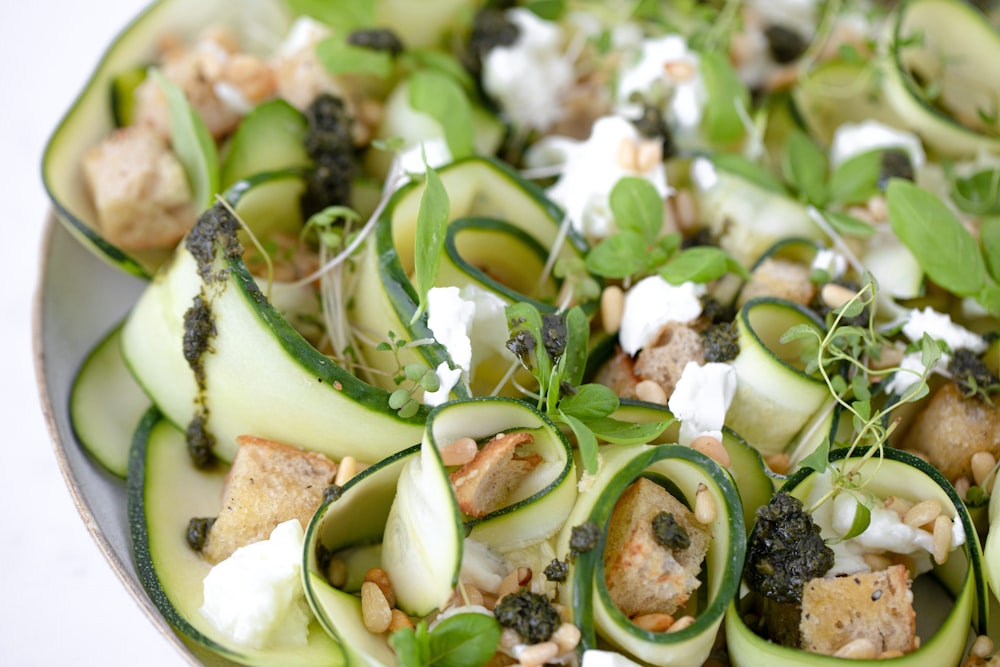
{"x":214,"y":233}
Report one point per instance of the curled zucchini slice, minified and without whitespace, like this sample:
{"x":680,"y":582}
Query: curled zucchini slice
{"x":682,"y":470}
{"x":951,"y":599}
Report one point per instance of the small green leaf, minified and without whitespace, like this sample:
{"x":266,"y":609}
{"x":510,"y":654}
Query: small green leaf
{"x":585,"y":441}
{"x":721,"y":122}
{"x":978,"y":194}
{"x":347,"y":15}
{"x":432,"y":219}
{"x":407,"y":649}
{"x":591,"y":401}
{"x":850,"y":310}
{"x":848,"y":225}
{"x":701,"y":264}
{"x":989,"y":236}
{"x":637,"y":206}
{"x":417,"y":59}
{"x":804,"y":166}
{"x":618,"y":256}
{"x":621,"y":432}
{"x":989,"y":298}
{"x":930,"y":352}
{"x":464,"y":640}
{"x":856,"y":179}
{"x":863,"y":409}
{"x":862,"y":519}
{"x":748,"y":170}
{"x":819,"y":459}
{"x":192,"y":143}
{"x":442,"y":98}
{"x":946,"y":250}
{"x":577,"y":345}
{"x":339,"y":57}
{"x":550,"y":10}
{"x":859,"y":386}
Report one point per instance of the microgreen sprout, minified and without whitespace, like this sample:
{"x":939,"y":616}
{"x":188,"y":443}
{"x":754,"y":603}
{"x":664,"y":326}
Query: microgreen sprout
{"x":408,"y":377}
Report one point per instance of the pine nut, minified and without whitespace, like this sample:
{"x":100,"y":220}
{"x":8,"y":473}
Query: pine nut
{"x":705,"y":510}
{"x":346,"y":469}
{"x":459,"y":452}
{"x":861,"y":648}
{"x":891,"y":653}
{"x":538,"y":654}
{"x":876,"y":562}
{"x":612,"y":307}
{"x":489,"y":601}
{"x":982,"y":466}
{"x":380,"y":578}
{"x":375,"y":611}
{"x":627,"y":154}
{"x":678,"y":70}
{"x":509,"y":638}
{"x":685,"y":210}
{"x":681,"y":623}
{"x":399,"y":621}
{"x":473,"y":595}
{"x":942,"y":539}
{"x":649,"y":155}
{"x":982,"y":647}
{"x":962,"y":486}
{"x":712,"y":448}
{"x":898,"y":505}
{"x":336,"y":573}
{"x":878,"y":207}
{"x":514,"y":581}
{"x":651,"y":392}
{"x":922,"y":513}
{"x":834,"y":295}
{"x":778,"y":463}
{"x":567,"y":636}
{"x":655,"y":622}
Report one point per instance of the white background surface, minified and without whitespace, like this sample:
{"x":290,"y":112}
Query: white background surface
{"x":60,"y":603}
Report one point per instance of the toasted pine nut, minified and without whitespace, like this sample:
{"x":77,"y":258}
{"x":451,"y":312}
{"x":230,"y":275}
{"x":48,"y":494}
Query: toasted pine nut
{"x":509,"y":638}
{"x":612,"y":307}
{"x":878,"y":207}
{"x":678,"y":70}
{"x":565,"y":615}
{"x":922,"y":513}
{"x":459,"y":452}
{"x":779,"y":462}
{"x":982,"y":647}
{"x":538,"y":654}
{"x":891,"y":653}
{"x":654,"y":622}
{"x":380,"y":578}
{"x":861,"y":648}
{"x":651,"y":392}
{"x":962,"y":486}
{"x":514,"y":581}
{"x":712,"y":448}
{"x":898,"y":505}
{"x":876,"y":562}
{"x":346,"y":469}
{"x":399,"y":621}
{"x":942,"y":538}
{"x":681,"y":623}
{"x":567,"y":636}
{"x":473,"y":595}
{"x":650,"y":154}
{"x":861,"y":213}
{"x":705,"y":509}
{"x":834,"y":295}
{"x":336,"y":573}
{"x":627,"y":154}
{"x":982,"y":465}
{"x":684,"y":209}
{"x":375,"y":611}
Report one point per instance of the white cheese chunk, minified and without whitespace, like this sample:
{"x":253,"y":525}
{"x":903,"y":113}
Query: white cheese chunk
{"x":701,"y":398}
{"x":448,"y":377}
{"x":651,"y":303}
{"x":596,"y":658}
{"x":852,"y":139}
{"x":470,"y":323}
{"x":939,"y":326}
{"x":830,"y":262}
{"x":255,"y":596}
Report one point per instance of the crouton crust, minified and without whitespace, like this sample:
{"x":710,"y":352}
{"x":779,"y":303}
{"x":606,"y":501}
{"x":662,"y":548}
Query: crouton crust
{"x":779,"y":278}
{"x":483,"y":484}
{"x":877,"y":606}
{"x":644,"y":577}
{"x":269,"y":483}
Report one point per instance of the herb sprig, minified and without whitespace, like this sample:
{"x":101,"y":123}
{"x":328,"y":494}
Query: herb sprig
{"x":462,"y":640}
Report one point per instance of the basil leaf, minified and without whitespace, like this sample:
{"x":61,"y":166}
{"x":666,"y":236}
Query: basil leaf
{"x":848,"y":225}
{"x":989,"y":236}
{"x":943,"y":247}
{"x":700,"y":264}
{"x":720,"y":121}
{"x":621,"y":432}
{"x":577,"y":345}
{"x":345,"y":14}
{"x":749,"y":171}
{"x":618,"y":256}
{"x":591,"y":401}
{"x":418,"y":59}
{"x":978,"y":194}
{"x":856,"y":179}
{"x":585,"y":441}
{"x":463,"y":640}
{"x":550,"y":10}
{"x":804,"y":166}
{"x":411,"y":647}
{"x":339,"y":57}
{"x":989,"y":298}
{"x":192,"y":143}
{"x":637,"y":206}
{"x":439,"y":96}
{"x":432,"y":219}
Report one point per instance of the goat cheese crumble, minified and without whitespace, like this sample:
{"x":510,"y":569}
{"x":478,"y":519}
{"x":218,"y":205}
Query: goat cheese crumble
{"x":939,"y":326}
{"x":651,"y":303}
{"x":471,"y":323}
{"x":851,"y":139}
{"x":701,"y":398}
{"x":255,"y":596}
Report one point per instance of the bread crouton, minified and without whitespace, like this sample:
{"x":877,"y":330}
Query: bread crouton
{"x":643,"y":576}
{"x":139,"y":189}
{"x":483,"y":484}
{"x":877,"y":606}
{"x":618,"y":374}
{"x":268,"y":484}
{"x":780,"y":278}
{"x":664,"y":360}
{"x":951,"y":428}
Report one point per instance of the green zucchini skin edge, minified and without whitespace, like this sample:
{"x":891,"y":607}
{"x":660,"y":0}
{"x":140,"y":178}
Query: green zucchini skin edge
{"x":973,"y":589}
{"x":691,"y":645}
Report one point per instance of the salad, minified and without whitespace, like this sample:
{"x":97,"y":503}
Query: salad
{"x":551,"y":332}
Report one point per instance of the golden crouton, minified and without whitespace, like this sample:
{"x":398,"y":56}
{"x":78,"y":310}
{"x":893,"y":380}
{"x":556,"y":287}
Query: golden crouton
{"x":269,"y":483}
{"x":139,"y":189}
{"x":643,"y":576}
{"x":779,"y":278}
{"x":618,"y":374}
{"x":664,"y":360}
{"x":877,"y":606}
{"x":482,"y":484}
